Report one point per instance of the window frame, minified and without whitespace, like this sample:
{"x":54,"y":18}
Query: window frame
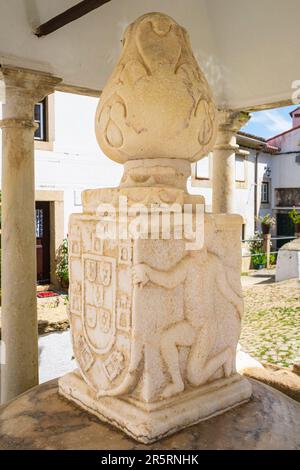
{"x":265,"y":184}
{"x":243,"y":161}
{"x":203,"y":178}
{"x":49,"y":123}
{"x":243,"y":234}
{"x":43,"y":121}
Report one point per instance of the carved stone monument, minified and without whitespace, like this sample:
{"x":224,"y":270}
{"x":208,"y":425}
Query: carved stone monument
{"x":155,"y":310}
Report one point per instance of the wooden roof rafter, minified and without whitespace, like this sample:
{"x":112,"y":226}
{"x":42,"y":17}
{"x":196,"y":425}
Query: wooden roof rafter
{"x":77,"y":11}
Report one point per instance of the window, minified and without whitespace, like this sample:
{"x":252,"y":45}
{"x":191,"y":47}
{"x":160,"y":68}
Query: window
{"x":265,"y":192}
{"x":239,"y":169}
{"x":202,"y":169}
{"x":243,"y":231}
{"x":77,"y":198}
{"x":40,"y":119}
{"x":39,"y":223}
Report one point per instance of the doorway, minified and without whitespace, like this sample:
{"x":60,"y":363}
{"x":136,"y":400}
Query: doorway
{"x":42,"y":229}
{"x":285,"y":227}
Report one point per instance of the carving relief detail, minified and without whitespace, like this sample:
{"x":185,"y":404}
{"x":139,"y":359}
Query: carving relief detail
{"x":151,"y":321}
{"x":157,"y":102}
{"x":103,"y":326}
{"x":123,"y":312}
{"x":99,"y":301}
{"x":203,"y":276}
{"x":114,"y":365}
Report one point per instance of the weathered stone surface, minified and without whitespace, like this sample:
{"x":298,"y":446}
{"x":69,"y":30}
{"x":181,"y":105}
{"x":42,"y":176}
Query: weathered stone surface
{"x":223,"y":179}
{"x":22,"y":89}
{"x":148,"y":422}
{"x":151,"y":320}
{"x":288,"y":261}
{"x":41,"y":419}
{"x":155,"y":306}
{"x":157,"y":103}
{"x":283,"y":379}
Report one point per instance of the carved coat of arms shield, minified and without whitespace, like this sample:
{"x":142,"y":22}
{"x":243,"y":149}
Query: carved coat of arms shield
{"x":102,"y":329}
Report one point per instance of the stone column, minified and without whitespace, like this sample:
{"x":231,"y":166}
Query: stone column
{"x":224,"y":161}
{"x":267,"y":247}
{"x":19,"y":311}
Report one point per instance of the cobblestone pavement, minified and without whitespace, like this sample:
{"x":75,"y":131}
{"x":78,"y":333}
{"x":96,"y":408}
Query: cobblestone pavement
{"x":271,"y":323}
{"x":270,"y":330}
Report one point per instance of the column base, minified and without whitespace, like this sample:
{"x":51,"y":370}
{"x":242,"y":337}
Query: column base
{"x":148,"y":422}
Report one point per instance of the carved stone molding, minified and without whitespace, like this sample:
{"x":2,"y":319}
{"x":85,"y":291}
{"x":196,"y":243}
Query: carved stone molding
{"x":23,"y":88}
{"x":230,"y":123}
{"x":164,"y":172}
{"x":18,"y":124}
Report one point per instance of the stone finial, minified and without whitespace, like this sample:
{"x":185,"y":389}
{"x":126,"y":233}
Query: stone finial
{"x":157,"y":102}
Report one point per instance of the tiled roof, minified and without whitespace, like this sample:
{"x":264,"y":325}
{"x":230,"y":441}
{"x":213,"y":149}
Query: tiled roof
{"x":257,"y":142}
{"x":251,"y":136}
{"x":296,"y":109}
{"x":283,"y":133}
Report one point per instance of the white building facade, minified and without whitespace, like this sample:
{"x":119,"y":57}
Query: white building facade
{"x":69,"y":160}
{"x":286,"y":174}
{"x":267,"y":174}
{"x":253,"y":180}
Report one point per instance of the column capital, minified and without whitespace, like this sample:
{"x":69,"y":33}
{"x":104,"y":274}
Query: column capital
{"x":22,"y":89}
{"x":35,"y":83}
{"x":224,"y":159}
{"x":229,"y":124}
{"x":232,"y":121}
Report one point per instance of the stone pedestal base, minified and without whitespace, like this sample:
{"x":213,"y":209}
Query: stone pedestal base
{"x":148,"y":422}
{"x":288,"y":261}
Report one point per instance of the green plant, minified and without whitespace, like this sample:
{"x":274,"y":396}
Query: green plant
{"x":294,"y":215}
{"x":256,"y":243}
{"x":259,"y":259}
{"x":62,"y":268}
{"x":267,"y":219}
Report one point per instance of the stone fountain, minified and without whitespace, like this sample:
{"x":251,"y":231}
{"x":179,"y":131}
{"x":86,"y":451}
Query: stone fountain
{"x":155,"y":294}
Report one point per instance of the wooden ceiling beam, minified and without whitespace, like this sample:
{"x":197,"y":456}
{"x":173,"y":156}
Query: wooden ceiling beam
{"x":72,"y":14}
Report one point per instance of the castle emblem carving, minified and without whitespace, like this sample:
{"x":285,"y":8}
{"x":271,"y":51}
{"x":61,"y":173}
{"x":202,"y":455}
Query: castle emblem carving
{"x":101,"y":314}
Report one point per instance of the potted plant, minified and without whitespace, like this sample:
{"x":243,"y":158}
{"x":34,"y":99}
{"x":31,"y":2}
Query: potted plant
{"x":62,"y":268}
{"x":259,"y":260}
{"x":258,"y":256}
{"x":267,"y":221}
{"x":294,"y":215}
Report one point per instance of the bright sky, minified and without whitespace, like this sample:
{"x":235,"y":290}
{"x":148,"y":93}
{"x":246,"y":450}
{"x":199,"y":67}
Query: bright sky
{"x":270,"y":122}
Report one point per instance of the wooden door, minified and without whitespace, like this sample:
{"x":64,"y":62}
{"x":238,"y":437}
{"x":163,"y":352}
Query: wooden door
{"x":285,"y":227}
{"x":42,"y":227}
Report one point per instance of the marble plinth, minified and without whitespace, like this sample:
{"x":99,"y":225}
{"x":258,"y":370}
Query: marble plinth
{"x":148,"y":422}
